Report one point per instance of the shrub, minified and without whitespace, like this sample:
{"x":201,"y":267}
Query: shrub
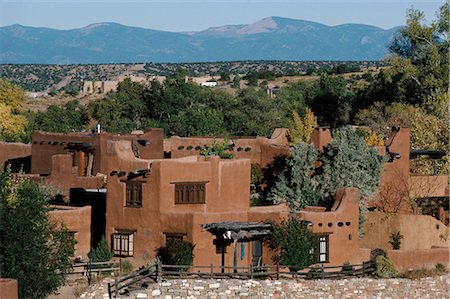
{"x":176,"y":252}
{"x":294,"y":242}
{"x":385,"y":268}
{"x":441,"y":268}
{"x":126,"y":266}
{"x":101,"y":253}
{"x":395,"y":240}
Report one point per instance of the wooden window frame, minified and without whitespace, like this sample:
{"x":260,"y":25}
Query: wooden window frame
{"x":174,"y":236}
{"x":122,"y":243}
{"x":322,"y":247}
{"x":190,"y":193}
{"x":133,"y":194}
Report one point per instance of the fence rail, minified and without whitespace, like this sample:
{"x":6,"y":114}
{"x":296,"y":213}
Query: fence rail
{"x":157,"y":272}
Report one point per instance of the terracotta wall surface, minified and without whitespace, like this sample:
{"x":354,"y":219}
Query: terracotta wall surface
{"x":395,"y":174}
{"x":64,"y":176}
{"x":77,"y":220}
{"x":341,"y":223}
{"x":45,"y":145}
{"x":428,"y":186}
{"x":405,"y":260}
{"x":13,"y":150}
{"x":321,"y":137}
{"x":226,"y":194}
{"x":9,"y":288}
{"x":419,"y":231}
{"x":252,"y":148}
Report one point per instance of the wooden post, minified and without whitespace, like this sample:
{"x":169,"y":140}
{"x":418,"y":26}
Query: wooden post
{"x":364,"y":269}
{"x":89,"y":274}
{"x":109,"y":290}
{"x":278,"y":271}
{"x":116,"y":287}
{"x":159,"y":270}
{"x":235,"y":256}
{"x":251,"y":271}
{"x":211,"y":271}
{"x":322,"y":272}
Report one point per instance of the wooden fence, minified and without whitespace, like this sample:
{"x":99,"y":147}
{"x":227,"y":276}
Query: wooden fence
{"x":157,"y":272}
{"x":90,"y":268}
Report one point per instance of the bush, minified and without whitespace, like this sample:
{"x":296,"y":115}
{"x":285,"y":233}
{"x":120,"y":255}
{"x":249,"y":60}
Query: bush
{"x":126,"y":266}
{"x":395,"y":240}
{"x":441,"y":268}
{"x":385,"y":268}
{"x":176,"y":252}
{"x":294,"y":242}
{"x":101,"y":253}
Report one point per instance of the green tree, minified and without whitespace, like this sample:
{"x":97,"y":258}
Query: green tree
{"x":346,"y":162}
{"x":197,"y":121}
{"x":176,"y":252}
{"x":102,"y":252}
{"x":418,"y":69}
{"x":32,"y":250}
{"x":297,"y":185}
{"x":72,"y":117}
{"x":294,"y":242}
{"x":218,"y":149}
{"x":333,"y":103}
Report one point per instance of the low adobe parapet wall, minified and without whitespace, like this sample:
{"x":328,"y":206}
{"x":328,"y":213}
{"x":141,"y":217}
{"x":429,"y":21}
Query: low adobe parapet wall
{"x":259,"y":150}
{"x":78,"y":221}
{"x":419,"y":232}
{"x":9,"y":288}
{"x":13,"y":150}
{"x":405,"y":260}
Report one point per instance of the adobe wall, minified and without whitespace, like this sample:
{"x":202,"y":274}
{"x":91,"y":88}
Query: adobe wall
{"x":341,"y":223}
{"x":428,"y":186}
{"x":405,"y":260}
{"x":45,"y":145}
{"x":227,"y":198}
{"x":394,"y":182}
{"x":78,"y":220}
{"x":13,"y":150}
{"x":420,"y":231}
{"x":9,"y":288}
{"x":321,"y":137}
{"x":64,"y":176}
{"x":252,"y":148}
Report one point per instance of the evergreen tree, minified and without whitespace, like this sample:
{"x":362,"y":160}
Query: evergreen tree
{"x":101,"y":253}
{"x":32,"y":250}
{"x":297,"y":185}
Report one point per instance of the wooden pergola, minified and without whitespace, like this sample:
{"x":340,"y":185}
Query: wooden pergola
{"x":231,"y":232}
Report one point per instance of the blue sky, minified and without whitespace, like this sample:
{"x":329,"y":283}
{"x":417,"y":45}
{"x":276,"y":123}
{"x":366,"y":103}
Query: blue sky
{"x":182,"y":15}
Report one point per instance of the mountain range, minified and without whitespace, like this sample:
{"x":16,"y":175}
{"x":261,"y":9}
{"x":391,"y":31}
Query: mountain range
{"x":272,"y":38}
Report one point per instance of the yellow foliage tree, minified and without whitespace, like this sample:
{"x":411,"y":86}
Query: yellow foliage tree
{"x":11,"y":95}
{"x":12,"y":125}
{"x":374,"y":139}
{"x":301,"y":130}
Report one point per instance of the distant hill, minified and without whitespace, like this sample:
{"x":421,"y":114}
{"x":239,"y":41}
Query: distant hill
{"x":272,"y":38}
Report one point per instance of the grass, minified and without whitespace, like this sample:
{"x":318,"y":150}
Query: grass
{"x":438,"y":270}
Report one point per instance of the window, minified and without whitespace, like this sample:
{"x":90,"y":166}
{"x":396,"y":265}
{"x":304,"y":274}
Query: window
{"x":134,"y":194}
{"x":322,"y":248}
{"x":174,"y":237}
{"x":123,"y":243}
{"x":186,"y":193}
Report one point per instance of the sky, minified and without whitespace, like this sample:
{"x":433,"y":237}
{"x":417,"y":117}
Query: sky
{"x":184,"y":15}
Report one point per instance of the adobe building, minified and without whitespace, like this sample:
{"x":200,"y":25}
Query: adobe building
{"x":148,"y":200}
{"x":260,"y":150}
